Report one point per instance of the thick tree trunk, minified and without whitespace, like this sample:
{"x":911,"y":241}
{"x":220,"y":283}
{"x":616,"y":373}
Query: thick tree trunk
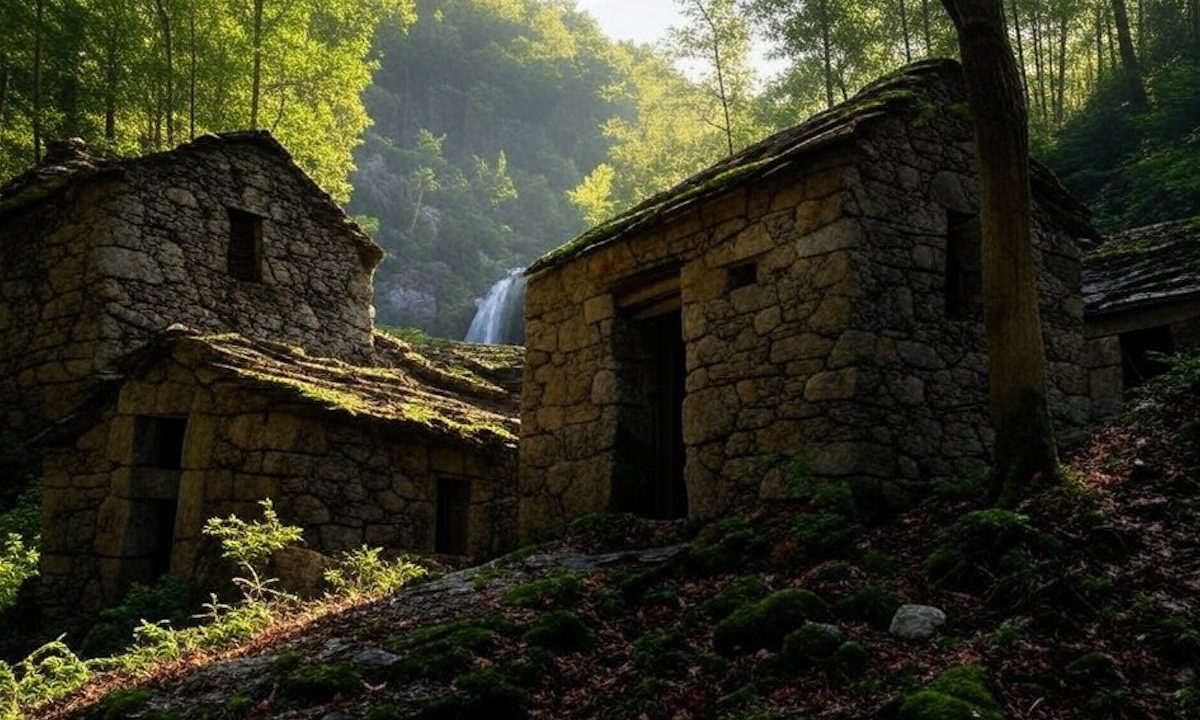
{"x":1025,"y":447}
{"x":1134,"y":88}
{"x":256,"y":80}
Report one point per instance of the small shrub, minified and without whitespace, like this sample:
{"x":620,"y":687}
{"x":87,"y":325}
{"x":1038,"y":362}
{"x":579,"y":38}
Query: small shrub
{"x":736,"y":594}
{"x":1189,"y":701}
{"x":608,"y":602}
{"x":168,"y":599}
{"x":562,"y":588}
{"x":1109,"y":701}
{"x":559,"y":631}
{"x":489,"y":694}
{"x":823,"y":535}
{"x":957,"y":694}
{"x":764,"y":624}
{"x":317,"y":684}
{"x":529,"y":671}
{"x":250,"y":544}
{"x":385,"y":711}
{"x":995,"y":551}
{"x":18,"y":563}
{"x":362,"y":573}
{"x":1009,"y":637}
{"x":872,"y":604}
{"x":662,"y":594}
{"x":661,"y":653}
{"x":1093,"y":665}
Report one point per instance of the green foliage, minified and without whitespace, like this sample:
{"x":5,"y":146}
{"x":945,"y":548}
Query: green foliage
{"x":995,"y":551}
{"x":872,"y":604}
{"x":823,"y":535}
{"x":1093,"y":665}
{"x":47,"y":674}
{"x":811,"y":643}
{"x":1177,"y":638}
{"x":250,"y":543}
{"x":726,"y":548}
{"x":319,"y":683}
{"x":561,"y":588}
{"x":662,"y":653}
{"x":18,"y":563}
{"x":969,"y":486}
{"x":122,"y":704}
{"x":850,"y":661}
{"x":764,"y":623}
{"x":877,"y":562}
{"x":1189,"y":701}
{"x":362,"y":573}
{"x":440,"y":652}
{"x":741,"y":591}
{"x":559,"y":631}
{"x":1008,"y":637}
{"x":169,"y":599}
{"x":957,"y":694}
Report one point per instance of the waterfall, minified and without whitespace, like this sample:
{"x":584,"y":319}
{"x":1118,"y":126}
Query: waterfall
{"x":500,"y":317}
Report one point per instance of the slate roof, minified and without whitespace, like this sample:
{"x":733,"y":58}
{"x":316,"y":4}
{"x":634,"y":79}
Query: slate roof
{"x":841,"y":124}
{"x":69,"y":162}
{"x":1143,"y":268}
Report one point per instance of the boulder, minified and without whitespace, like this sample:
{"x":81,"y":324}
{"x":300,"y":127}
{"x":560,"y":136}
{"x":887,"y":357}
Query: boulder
{"x":916,"y":622}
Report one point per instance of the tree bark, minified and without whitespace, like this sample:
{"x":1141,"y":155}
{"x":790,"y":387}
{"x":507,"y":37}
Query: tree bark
{"x":722,"y":95}
{"x":256,"y":80}
{"x":904,"y":30}
{"x":827,"y":52}
{"x":192,"y":70}
{"x":1016,"y":13}
{"x":4,"y":75}
{"x":1025,"y":448}
{"x":39,"y":10}
{"x":164,"y":20}
{"x":1060,"y":100}
{"x":925,"y":28}
{"x":110,"y":83}
{"x":1039,"y":63}
{"x":1135,"y":89}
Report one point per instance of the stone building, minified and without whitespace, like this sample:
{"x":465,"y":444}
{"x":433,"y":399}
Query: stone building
{"x":224,"y":234}
{"x":417,"y":457}
{"x":811,"y":305}
{"x":1142,"y":292}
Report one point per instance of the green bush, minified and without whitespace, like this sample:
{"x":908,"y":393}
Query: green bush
{"x":317,"y":684}
{"x":167,"y":599}
{"x":957,"y":694}
{"x":562,"y":588}
{"x":559,"y":631}
{"x":872,"y":604}
{"x":362,"y":573}
{"x":18,"y":563}
{"x":878,"y":562}
{"x":661,"y":653}
{"x":764,"y":624}
{"x":733,"y":596}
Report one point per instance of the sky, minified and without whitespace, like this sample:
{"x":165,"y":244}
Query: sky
{"x":647,"y":21}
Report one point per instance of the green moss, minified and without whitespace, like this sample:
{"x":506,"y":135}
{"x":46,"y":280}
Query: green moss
{"x":238,"y":704}
{"x":738,"y":593}
{"x":969,"y":486}
{"x":872,"y":604}
{"x":122,"y":704}
{"x":818,"y":536}
{"x":727,"y":547}
{"x":879,"y":563}
{"x":662,"y":653}
{"x":957,"y":694}
{"x":385,"y":711}
{"x":1093,"y":665}
{"x":485,"y":694}
{"x":317,"y":684}
{"x":994,"y":551}
{"x":442,"y":651}
{"x":1177,"y":639}
{"x":812,"y":643}
{"x":764,"y":624}
{"x":850,"y":662}
{"x":559,"y":631}
{"x":561,"y":588}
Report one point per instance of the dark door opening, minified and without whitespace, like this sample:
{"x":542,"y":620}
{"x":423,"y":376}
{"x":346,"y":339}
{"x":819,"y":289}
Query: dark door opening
{"x":453,"y":508}
{"x":1137,"y":347}
{"x":649,"y":478}
{"x":158,"y":464}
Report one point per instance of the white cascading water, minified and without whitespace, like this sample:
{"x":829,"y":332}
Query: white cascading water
{"x":496,"y":316}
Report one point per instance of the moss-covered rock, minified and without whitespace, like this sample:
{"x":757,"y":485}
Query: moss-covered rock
{"x":559,"y":631}
{"x":733,"y":596}
{"x":764,"y":623}
{"x":957,"y":694}
{"x":317,"y":684}
{"x":662,"y":653}
{"x":812,"y":643}
{"x":561,"y":588}
{"x":872,"y":604}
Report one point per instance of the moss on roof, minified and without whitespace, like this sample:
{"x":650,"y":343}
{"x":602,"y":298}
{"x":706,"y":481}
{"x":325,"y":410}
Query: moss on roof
{"x":1144,"y":267}
{"x":768,"y":156}
{"x":438,"y":405}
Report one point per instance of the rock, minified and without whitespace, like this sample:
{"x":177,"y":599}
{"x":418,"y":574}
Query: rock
{"x":916,"y":622}
{"x":374,"y":657}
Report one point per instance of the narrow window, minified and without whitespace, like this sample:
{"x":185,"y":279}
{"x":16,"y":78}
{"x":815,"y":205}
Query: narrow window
{"x":1138,"y":351}
{"x":964,"y":264}
{"x":245,"y":245}
{"x":158,"y":442}
{"x":453,"y":507}
{"x":743,"y":275}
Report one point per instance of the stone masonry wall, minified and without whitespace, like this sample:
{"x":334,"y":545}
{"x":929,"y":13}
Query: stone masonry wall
{"x":839,"y":358}
{"x":343,"y":483}
{"x":119,"y":257}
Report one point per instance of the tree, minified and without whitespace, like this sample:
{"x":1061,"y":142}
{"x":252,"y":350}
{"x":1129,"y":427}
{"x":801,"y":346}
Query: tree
{"x":1133,"y":73}
{"x":1025,"y":446}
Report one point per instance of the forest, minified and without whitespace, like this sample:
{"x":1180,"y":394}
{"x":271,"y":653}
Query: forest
{"x":471,"y":136}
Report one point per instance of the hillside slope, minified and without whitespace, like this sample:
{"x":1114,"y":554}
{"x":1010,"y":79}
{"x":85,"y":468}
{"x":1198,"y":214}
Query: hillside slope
{"x":1081,"y":605}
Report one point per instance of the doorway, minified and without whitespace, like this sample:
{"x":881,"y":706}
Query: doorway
{"x":1137,"y":350}
{"x":649,"y":469}
{"x":453,"y":511}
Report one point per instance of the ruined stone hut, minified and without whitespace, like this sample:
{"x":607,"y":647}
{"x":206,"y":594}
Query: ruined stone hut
{"x":417,"y":457}
{"x":1142,"y":289}
{"x":223,"y":234}
{"x":808,"y":307}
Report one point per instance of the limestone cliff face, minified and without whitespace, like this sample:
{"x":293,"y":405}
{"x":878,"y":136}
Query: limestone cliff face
{"x":223,"y":234}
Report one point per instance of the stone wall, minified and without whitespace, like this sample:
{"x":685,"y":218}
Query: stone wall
{"x":114,"y":258}
{"x":837,"y":357}
{"x":346,"y":482}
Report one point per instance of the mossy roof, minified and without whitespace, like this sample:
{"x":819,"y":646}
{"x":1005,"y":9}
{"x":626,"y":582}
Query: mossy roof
{"x":69,"y":162}
{"x":1143,"y":268}
{"x":907,"y":88}
{"x":423,"y":397}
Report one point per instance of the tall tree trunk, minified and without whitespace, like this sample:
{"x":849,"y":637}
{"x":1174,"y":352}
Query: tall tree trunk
{"x":110,"y":84}
{"x":925,"y":28}
{"x":192,"y":70}
{"x":1025,"y":447}
{"x":1134,"y":88}
{"x":38,"y":28}
{"x":904,"y":30}
{"x":256,"y":80}
{"x":1099,"y":45}
{"x":1060,"y":101}
{"x":164,"y":20}
{"x":1112,"y":52}
{"x":1016,"y":13}
{"x":827,"y":52}
{"x":1039,"y":63}
{"x":4,"y":76}
{"x":722,"y":95}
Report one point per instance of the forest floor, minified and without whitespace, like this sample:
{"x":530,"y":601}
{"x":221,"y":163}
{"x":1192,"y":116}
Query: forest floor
{"x":1081,"y":604}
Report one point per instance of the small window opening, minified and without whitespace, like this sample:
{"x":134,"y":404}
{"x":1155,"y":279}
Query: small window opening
{"x":743,"y":275}
{"x":1138,"y":351}
{"x":964,"y":266}
{"x":453,"y":508}
{"x":245,"y":245}
{"x":158,"y":442}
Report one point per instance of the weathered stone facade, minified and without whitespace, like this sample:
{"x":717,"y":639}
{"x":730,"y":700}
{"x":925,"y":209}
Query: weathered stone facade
{"x":412,"y":458}
{"x":827,"y":291}
{"x":223,"y":234}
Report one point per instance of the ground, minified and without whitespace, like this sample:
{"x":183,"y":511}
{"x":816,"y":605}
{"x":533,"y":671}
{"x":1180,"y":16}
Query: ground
{"x":1081,"y":604}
